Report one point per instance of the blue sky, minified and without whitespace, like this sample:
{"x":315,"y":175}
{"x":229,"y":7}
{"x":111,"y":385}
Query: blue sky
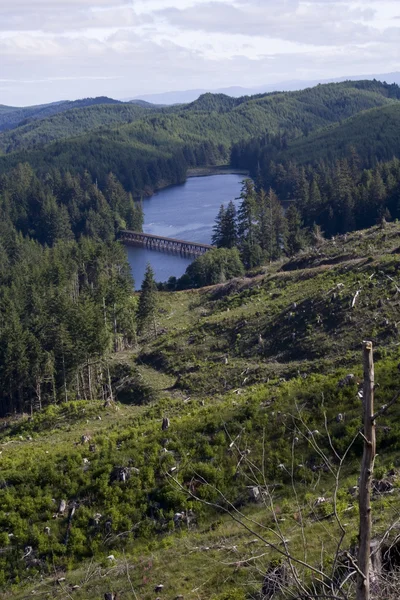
{"x":58,"y":49}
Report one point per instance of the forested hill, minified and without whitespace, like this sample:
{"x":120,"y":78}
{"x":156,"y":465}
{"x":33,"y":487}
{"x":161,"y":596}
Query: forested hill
{"x":374,"y":134}
{"x":69,"y":123}
{"x":157,"y":150}
{"x":12,"y":116}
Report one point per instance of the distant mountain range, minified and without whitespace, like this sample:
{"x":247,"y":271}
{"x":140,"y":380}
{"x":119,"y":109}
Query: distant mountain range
{"x":12,"y":117}
{"x":185,"y":96}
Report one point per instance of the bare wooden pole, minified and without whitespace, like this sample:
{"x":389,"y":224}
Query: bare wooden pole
{"x":367,"y":467}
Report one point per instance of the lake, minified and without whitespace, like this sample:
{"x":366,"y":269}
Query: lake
{"x":186,"y":212}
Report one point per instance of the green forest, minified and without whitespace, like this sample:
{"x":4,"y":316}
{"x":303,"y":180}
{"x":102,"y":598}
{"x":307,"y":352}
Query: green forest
{"x":65,"y":286}
{"x":156,"y":150}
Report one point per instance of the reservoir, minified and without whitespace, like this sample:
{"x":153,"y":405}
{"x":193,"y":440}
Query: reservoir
{"x":185,"y":212}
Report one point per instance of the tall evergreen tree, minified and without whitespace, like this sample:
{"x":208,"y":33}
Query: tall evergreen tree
{"x":271,"y":224}
{"x":230,"y":234}
{"x":250,"y":249}
{"x":225,"y":229}
{"x":147,"y":302}
{"x":218,"y":229}
{"x":295,"y":238}
{"x":134,"y":215}
{"x":315,"y":200}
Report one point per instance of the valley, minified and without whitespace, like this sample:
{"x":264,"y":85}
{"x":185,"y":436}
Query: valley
{"x":186,"y":212}
{"x":195,"y":431}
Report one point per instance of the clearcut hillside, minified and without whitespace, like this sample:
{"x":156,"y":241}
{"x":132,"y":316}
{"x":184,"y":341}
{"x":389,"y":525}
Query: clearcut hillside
{"x":252,"y":376}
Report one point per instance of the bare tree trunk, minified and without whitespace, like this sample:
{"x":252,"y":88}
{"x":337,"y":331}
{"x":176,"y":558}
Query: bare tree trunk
{"x":82,"y":374}
{"x":110,"y":384}
{"x":64,"y":374}
{"x":155,"y":325}
{"x":53,"y":383}
{"x":39,"y":393}
{"x":89,"y":371}
{"x":116,"y":348}
{"x":78,"y":391}
{"x":367,"y":467}
{"x":104,"y":311}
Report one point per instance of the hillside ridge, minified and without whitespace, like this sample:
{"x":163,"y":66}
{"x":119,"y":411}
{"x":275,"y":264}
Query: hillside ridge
{"x":223,"y":366}
{"x":159,"y":148}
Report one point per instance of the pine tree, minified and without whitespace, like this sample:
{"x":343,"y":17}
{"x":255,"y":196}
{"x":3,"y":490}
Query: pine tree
{"x":377,"y":195}
{"x":147,"y":301}
{"x":345,"y":191}
{"x":302,"y":193}
{"x":134,"y":215}
{"x":115,"y":193}
{"x":225,"y":228}
{"x":315,"y":201}
{"x":246,"y":212}
{"x":250,"y":250}
{"x":295,"y":238}
{"x":217,"y":237}
{"x":229,"y":228}
{"x":271,"y":224}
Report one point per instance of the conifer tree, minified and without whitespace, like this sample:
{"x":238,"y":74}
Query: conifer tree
{"x":251,"y":252}
{"x":302,"y":191}
{"x":246,"y":212}
{"x":134,"y":215}
{"x":271,"y":224}
{"x":345,"y":197}
{"x":295,"y":238}
{"x":217,"y":237}
{"x":315,"y":201}
{"x":229,"y":228}
{"x":147,"y":301}
{"x":377,"y":193}
{"x":225,"y":228}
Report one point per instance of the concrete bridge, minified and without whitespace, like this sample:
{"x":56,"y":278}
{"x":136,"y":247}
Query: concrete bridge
{"x":163,"y":244}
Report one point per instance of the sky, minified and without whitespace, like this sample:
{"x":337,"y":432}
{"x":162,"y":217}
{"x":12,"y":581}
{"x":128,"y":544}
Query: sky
{"x":67,"y":49}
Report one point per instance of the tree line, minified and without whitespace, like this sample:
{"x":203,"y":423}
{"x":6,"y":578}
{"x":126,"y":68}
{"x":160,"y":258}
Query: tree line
{"x":338,"y":196}
{"x":302,"y":205}
{"x":260,"y":228}
{"x":62,"y":206}
{"x":62,"y":310}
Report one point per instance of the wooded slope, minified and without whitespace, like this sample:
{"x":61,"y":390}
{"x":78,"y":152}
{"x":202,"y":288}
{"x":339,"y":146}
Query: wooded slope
{"x":158,"y":149}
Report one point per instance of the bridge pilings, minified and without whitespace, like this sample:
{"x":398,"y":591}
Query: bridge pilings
{"x":163,"y":244}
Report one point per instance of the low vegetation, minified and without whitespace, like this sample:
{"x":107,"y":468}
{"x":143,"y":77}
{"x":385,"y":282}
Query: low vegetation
{"x":99,"y":496}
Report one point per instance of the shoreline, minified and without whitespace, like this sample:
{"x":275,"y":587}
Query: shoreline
{"x":219,"y":170}
{"x":197,"y":172}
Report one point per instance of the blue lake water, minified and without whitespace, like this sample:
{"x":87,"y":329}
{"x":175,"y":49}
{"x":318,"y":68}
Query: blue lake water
{"x":186,"y":212}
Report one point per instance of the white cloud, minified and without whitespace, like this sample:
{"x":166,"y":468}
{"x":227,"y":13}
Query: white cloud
{"x":61,"y":16}
{"x":311,"y":23}
{"x":52,"y":49}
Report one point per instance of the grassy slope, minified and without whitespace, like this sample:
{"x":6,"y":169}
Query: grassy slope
{"x":321,"y":328}
{"x":208,"y":399}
